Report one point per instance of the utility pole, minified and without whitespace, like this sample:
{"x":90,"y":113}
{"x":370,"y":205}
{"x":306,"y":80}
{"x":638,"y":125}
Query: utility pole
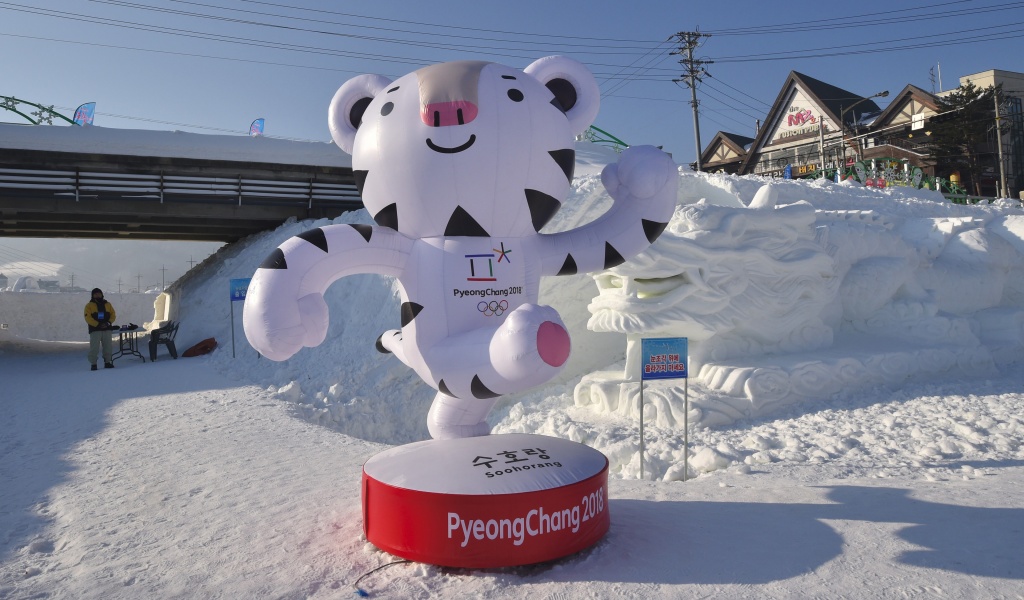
{"x":163,"y":269}
{"x":1003,"y":192}
{"x":693,"y":72}
{"x":821,"y":145}
{"x":191,"y":262}
{"x":118,"y":286}
{"x":138,"y":285}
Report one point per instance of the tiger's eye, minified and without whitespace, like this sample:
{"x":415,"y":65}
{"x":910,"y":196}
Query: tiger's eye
{"x":515,"y":95}
{"x":387,"y":108}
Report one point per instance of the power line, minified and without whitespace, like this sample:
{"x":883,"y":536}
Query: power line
{"x":293,"y":47}
{"x":447,"y":45}
{"x":259,"y":62}
{"x":654,"y":55}
{"x":19,"y":256}
{"x":861,"y":48}
{"x":604,"y":96}
{"x":31,"y":268}
{"x":758,"y":100}
{"x":185,"y":54}
{"x":441,"y":26}
{"x":858,"y":20}
{"x":757,"y":111}
{"x":713,"y":120}
{"x":743,"y":124}
{"x":249,"y":42}
{"x":601,"y":43}
{"x":264,"y":43}
{"x":216,"y":37}
{"x":206,"y":56}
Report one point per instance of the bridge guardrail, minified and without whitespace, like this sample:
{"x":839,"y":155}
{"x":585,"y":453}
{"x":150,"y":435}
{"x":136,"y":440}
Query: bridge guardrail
{"x":186,"y":188}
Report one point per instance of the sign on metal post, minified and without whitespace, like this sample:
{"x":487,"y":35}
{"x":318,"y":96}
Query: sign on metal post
{"x":238,"y":288}
{"x":666,"y":358}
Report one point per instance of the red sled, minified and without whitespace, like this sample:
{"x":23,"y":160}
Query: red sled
{"x":204,"y":347}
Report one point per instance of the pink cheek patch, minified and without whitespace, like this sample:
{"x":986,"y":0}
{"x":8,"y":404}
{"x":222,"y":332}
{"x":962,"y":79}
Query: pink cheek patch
{"x":553,"y":343}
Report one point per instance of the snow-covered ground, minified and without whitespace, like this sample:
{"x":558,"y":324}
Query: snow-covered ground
{"x":233,"y":476}
{"x":175,"y":479}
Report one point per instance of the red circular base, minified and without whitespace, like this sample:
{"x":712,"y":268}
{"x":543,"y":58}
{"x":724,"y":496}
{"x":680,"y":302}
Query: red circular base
{"x":484,"y":502}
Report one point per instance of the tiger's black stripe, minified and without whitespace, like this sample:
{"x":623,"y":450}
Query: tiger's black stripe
{"x":275,"y":260}
{"x":316,"y":237}
{"x":480,"y":390}
{"x":409,"y":312}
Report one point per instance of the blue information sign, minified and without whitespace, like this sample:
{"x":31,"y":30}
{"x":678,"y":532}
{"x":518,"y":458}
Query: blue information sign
{"x":664,"y":358}
{"x":238,"y":288}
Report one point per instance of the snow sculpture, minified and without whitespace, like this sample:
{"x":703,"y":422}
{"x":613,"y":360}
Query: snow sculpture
{"x":461,"y":164}
{"x":785,"y":303}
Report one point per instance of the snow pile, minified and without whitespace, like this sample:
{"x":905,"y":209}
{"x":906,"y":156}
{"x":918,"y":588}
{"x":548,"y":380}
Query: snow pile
{"x":346,"y":385}
{"x":793,"y":292}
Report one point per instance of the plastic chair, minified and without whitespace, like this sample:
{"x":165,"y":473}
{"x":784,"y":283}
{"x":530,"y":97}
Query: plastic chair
{"x":164,"y":335}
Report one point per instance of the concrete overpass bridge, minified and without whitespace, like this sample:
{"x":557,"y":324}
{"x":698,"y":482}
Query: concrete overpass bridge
{"x":94,"y":182}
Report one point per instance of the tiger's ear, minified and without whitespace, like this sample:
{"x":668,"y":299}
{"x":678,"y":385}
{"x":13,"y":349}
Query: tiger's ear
{"x":350,"y":101}
{"x":575,"y":89}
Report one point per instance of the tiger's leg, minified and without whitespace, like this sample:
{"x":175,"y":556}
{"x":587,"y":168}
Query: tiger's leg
{"x":472,"y":369}
{"x":527,"y":349}
{"x":451,"y":417}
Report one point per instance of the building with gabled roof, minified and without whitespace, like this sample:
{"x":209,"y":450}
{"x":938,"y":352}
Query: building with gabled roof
{"x":804,"y":127}
{"x":817,"y":129}
{"x":900,"y":131}
{"x":726,"y":152}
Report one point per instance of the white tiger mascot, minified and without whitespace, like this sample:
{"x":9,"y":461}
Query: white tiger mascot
{"x":461,"y":164}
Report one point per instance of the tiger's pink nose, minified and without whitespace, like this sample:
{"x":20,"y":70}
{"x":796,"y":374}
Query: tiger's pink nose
{"x":445,"y":114}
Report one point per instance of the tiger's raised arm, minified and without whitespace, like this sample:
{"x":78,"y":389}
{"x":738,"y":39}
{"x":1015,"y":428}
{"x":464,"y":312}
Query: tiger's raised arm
{"x":284,"y":305}
{"x":644,"y":184}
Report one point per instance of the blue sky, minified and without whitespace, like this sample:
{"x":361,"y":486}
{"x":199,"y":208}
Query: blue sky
{"x":283,"y":59}
{"x":215,"y":65}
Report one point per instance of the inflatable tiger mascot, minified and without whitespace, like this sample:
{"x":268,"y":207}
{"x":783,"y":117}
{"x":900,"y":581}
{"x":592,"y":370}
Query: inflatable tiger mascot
{"x":460,"y":165}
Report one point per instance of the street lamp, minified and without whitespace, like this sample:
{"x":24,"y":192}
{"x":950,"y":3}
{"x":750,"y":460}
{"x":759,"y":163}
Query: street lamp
{"x":842,"y":120}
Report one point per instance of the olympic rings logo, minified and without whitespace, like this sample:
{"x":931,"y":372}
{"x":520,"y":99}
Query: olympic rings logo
{"x":493,"y":308}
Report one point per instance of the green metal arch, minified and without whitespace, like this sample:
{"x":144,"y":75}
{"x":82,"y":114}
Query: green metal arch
{"x":600,"y":136}
{"x":43,"y":113}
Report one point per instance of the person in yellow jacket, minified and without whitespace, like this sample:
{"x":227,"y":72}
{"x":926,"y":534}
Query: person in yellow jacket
{"x":100,"y":315}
